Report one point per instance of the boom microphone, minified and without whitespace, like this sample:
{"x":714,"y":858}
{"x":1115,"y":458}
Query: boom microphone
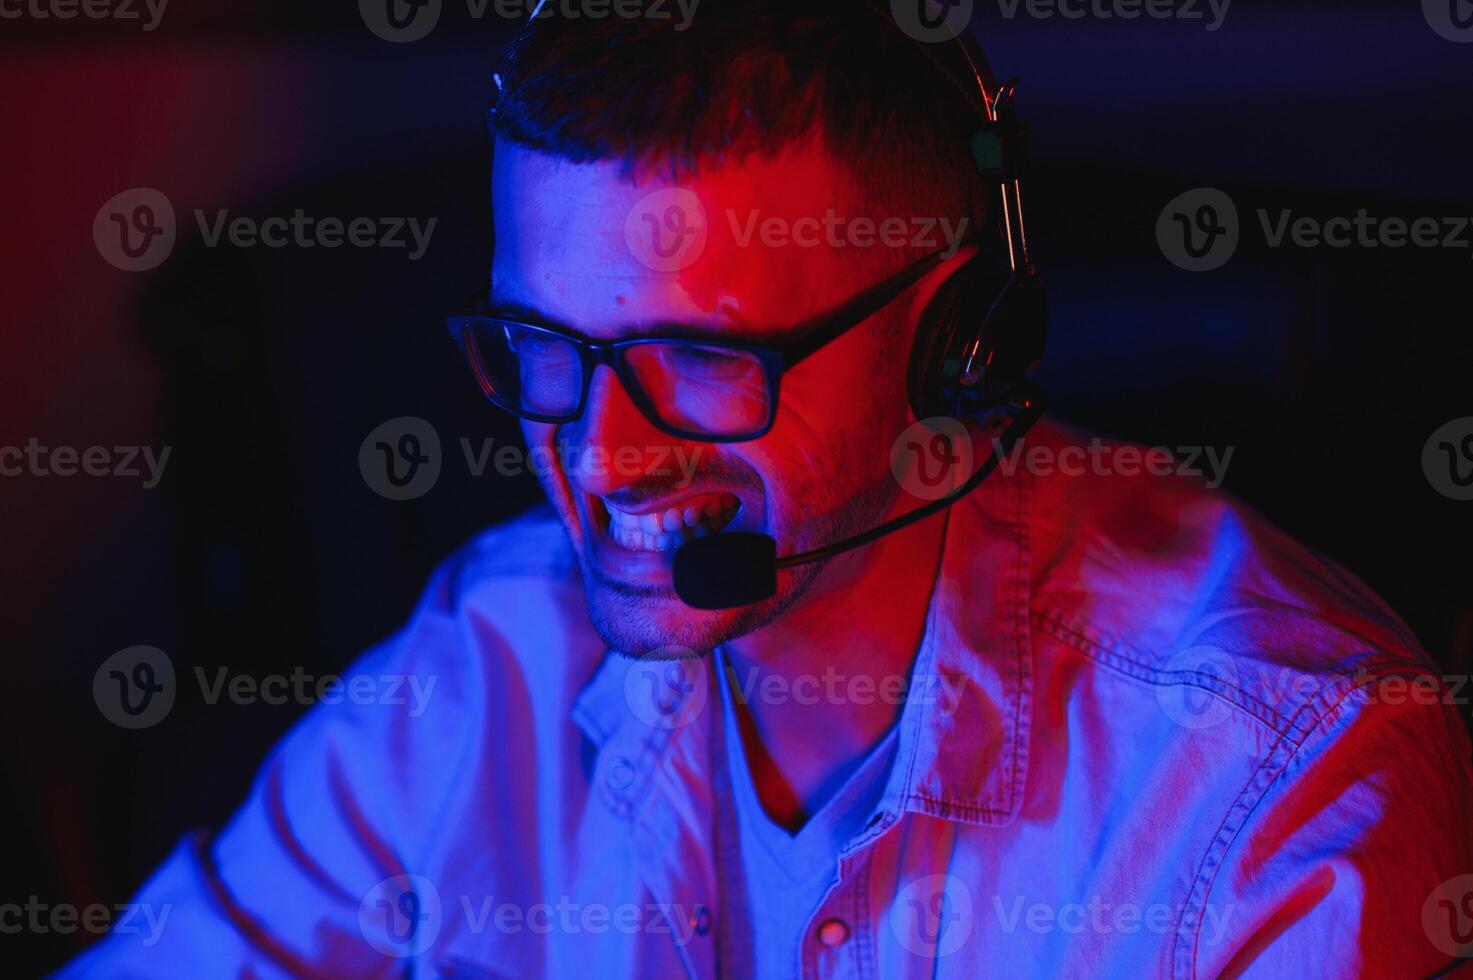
{"x":723,"y":571}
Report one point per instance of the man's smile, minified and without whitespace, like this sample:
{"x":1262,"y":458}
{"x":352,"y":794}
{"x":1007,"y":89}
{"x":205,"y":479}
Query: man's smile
{"x":632,"y":539}
{"x":667,"y":524}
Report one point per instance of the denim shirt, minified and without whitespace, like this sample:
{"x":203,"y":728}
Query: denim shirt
{"x":1146,"y":735}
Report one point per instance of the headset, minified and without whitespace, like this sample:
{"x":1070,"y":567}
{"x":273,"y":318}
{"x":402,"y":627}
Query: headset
{"x":977,"y":343}
{"x":982,"y":335}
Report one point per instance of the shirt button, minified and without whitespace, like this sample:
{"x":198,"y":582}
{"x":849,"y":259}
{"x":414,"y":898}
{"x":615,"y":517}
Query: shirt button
{"x":833,"y":932}
{"x":620,"y":773}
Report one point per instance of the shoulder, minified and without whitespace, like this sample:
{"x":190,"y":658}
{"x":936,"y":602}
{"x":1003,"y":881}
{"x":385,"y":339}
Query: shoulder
{"x":1176,"y":625}
{"x":498,"y":641}
{"x":1144,"y":566}
{"x":529,"y":548}
{"x":509,"y":605}
{"x":499,"y":636}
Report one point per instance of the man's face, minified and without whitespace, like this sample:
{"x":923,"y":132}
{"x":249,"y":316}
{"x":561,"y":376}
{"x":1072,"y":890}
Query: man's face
{"x":574,"y":246}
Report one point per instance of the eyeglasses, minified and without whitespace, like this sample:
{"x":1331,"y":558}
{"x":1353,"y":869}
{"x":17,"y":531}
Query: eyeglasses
{"x":687,"y":386}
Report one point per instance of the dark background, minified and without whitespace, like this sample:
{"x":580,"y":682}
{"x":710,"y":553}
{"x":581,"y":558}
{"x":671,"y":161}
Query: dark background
{"x":264,"y":549}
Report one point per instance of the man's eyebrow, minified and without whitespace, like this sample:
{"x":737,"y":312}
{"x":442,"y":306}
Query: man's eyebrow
{"x":521,"y":313}
{"x":772,"y":336}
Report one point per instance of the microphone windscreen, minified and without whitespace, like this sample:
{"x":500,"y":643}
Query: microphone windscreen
{"x":723,"y":571}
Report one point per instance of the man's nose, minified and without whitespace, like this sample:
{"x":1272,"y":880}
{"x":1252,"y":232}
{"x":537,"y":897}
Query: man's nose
{"x":613,"y":444}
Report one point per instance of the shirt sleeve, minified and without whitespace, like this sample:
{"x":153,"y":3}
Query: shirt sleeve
{"x":1356,"y":860}
{"x":341,"y":805}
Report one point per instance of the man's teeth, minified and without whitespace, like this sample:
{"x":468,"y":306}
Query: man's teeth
{"x":670,"y":528}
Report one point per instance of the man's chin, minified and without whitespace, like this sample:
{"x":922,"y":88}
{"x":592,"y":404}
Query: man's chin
{"x":646,"y":621}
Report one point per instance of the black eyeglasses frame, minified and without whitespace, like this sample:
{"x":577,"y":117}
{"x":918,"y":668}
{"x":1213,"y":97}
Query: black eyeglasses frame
{"x":810,"y":337}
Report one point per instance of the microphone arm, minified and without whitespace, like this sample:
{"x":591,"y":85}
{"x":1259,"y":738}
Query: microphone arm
{"x":1029,"y":408}
{"x":738,"y":568}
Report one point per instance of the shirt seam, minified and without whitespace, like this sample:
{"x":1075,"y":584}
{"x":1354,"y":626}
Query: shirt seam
{"x":1112,"y":657}
{"x":1288,"y":746}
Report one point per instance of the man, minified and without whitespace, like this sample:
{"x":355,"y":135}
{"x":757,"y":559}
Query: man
{"x":1092,"y":719}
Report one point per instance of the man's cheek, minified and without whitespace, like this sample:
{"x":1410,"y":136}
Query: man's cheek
{"x":789,"y":473}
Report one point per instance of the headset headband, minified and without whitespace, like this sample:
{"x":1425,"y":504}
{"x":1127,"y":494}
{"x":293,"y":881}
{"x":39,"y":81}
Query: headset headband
{"x":971,"y":72}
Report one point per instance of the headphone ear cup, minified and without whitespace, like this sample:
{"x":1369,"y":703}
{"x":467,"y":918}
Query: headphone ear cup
{"x":933,"y":333}
{"x":1014,"y":339}
{"x":949,"y":325}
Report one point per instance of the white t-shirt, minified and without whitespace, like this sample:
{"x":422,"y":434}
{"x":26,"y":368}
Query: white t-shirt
{"x":772,"y":881}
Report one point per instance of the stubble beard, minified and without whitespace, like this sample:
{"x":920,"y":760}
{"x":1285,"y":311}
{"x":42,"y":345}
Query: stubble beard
{"x":652,"y":623}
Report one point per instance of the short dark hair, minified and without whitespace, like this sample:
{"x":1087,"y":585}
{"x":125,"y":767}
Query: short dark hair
{"x":750,"y":77}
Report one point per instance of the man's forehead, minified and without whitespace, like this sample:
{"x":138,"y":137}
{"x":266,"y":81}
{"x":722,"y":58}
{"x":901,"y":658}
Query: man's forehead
{"x":591,"y":245}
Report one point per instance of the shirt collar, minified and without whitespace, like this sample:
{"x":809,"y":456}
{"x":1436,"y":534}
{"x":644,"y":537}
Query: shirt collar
{"x":963,"y":752}
{"x":964,"y":730}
